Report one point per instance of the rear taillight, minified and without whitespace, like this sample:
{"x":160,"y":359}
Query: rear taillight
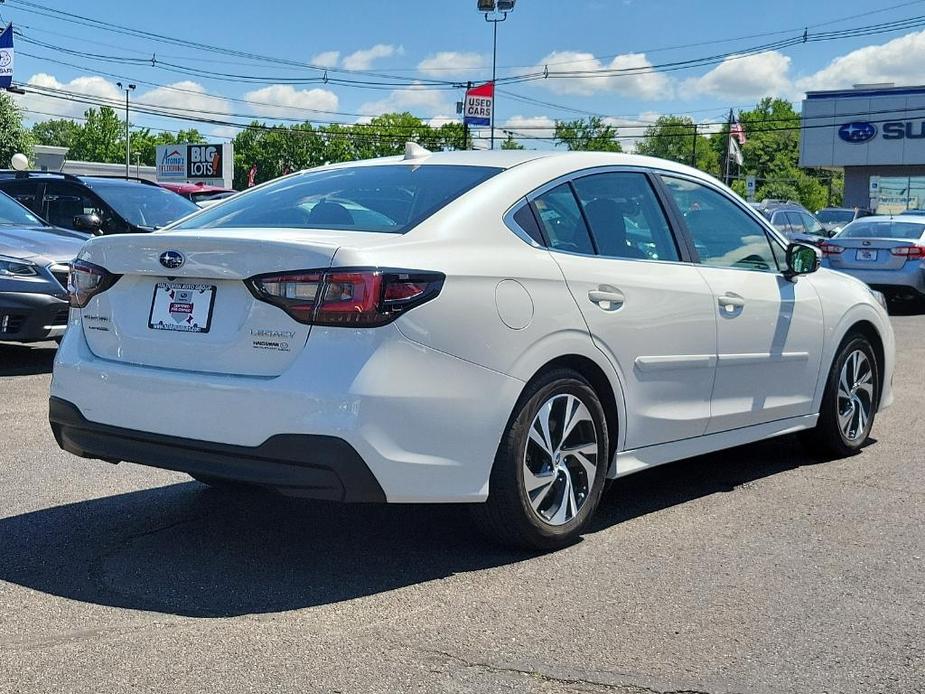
{"x":347,"y":297}
{"x":86,"y":280}
{"x":831,"y":248}
{"x":909,"y":252}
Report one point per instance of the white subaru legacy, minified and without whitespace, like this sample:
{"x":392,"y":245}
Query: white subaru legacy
{"x":504,"y":329}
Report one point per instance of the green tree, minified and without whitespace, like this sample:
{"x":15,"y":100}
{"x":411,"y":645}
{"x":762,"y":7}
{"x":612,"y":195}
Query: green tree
{"x":58,"y":132}
{"x":511,"y":143}
{"x":101,"y":138}
{"x":14,"y":138}
{"x":672,"y":137}
{"x":592,"y":134}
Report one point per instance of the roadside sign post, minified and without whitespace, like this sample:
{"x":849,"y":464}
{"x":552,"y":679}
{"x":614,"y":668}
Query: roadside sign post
{"x":750,"y":188}
{"x":479,"y":105}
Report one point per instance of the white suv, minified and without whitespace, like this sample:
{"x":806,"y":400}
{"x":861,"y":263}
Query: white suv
{"x":507,"y":329}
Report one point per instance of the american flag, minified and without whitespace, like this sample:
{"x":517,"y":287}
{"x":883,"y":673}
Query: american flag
{"x":738,"y":132}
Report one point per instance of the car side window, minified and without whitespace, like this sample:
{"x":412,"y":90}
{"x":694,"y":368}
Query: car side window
{"x":64,"y":201}
{"x":526,"y":220}
{"x":781,"y":222}
{"x":796,"y":223}
{"x":562,"y":221}
{"x":625,"y":217}
{"x":26,"y":193}
{"x":723,"y":234}
{"x":812,"y":225}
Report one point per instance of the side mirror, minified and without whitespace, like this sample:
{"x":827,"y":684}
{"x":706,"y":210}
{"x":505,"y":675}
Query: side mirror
{"x":802,"y":259}
{"x":88,"y":222}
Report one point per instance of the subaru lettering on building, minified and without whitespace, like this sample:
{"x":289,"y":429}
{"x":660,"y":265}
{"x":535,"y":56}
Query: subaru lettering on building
{"x":909,"y":130}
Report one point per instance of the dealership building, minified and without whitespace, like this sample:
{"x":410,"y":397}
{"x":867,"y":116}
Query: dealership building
{"x":876,"y":133}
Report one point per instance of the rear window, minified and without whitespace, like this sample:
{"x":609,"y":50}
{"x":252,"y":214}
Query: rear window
{"x":882,"y":229}
{"x":146,"y":206}
{"x":392,"y":198}
{"x":835,"y":216}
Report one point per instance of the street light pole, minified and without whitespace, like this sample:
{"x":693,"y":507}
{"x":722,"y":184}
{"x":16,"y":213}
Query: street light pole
{"x":128,"y":137}
{"x":496,"y":11}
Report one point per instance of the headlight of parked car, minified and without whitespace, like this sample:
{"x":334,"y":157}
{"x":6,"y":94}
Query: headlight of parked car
{"x":14,"y":267}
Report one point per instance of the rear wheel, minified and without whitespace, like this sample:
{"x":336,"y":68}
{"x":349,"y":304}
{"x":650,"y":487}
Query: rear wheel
{"x":849,"y":403}
{"x":548,"y":474}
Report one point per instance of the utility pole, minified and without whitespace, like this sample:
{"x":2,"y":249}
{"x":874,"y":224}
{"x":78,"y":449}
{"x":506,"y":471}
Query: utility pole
{"x":465,"y":143}
{"x":495,"y":11}
{"x":728,"y":150}
{"x":694,"y":149}
{"x":128,"y":137}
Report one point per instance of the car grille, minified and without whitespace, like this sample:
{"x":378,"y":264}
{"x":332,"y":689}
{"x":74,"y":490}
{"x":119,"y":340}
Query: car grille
{"x":60,"y":272}
{"x":11,"y":323}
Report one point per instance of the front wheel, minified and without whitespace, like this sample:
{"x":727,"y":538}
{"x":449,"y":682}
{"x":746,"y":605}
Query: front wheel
{"x":549,"y":471}
{"x":849,"y":403}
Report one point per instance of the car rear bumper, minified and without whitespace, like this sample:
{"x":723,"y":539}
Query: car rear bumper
{"x":426,"y":424}
{"x":320,"y":467}
{"x":912,"y":278}
{"x":31,"y":317}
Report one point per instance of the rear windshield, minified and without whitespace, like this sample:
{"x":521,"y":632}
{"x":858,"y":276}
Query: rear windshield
{"x":392,"y":198}
{"x":882,"y":229}
{"x":149,"y":207}
{"x":835,"y":216}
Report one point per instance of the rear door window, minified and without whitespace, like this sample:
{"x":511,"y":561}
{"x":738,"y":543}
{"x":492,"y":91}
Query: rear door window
{"x":26,"y":192}
{"x":64,"y":201}
{"x":625,"y":217}
{"x":563,"y":221}
{"x":796,"y":222}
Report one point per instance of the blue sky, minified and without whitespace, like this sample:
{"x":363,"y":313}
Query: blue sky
{"x":448,"y":40}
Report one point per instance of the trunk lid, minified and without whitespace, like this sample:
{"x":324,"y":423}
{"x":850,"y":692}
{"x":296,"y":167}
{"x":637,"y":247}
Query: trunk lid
{"x":242,"y":335}
{"x":867,"y":254}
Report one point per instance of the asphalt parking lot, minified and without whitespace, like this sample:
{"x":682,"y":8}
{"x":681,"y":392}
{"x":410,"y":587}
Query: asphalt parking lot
{"x":755,"y":570}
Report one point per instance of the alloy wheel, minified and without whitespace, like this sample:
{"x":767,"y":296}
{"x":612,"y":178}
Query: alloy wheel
{"x":855,"y":395}
{"x":560,"y":459}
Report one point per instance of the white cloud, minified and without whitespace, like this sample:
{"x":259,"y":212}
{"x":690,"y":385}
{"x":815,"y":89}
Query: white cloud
{"x":642,"y":85}
{"x":744,"y":78}
{"x":441,"y":119}
{"x":95,"y":86}
{"x":899,"y":61}
{"x":326,"y":59}
{"x":185,"y":97}
{"x":364,"y":59}
{"x":415,"y":99}
{"x":284,"y":101}
{"x":529,"y":127}
{"x":448,"y":63}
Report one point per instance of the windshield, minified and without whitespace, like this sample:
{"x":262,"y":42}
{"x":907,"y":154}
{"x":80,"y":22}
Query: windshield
{"x":143,"y":205}
{"x":835,"y":216}
{"x":14,"y":214}
{"x":882,"y":229}
{"x":390,"y":198}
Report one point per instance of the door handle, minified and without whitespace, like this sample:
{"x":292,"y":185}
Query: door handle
{"x":730,"y":302}
{"x":608,"y":298}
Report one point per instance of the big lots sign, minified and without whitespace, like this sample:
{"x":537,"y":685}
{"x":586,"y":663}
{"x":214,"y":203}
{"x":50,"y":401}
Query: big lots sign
{"x":207,"y":163}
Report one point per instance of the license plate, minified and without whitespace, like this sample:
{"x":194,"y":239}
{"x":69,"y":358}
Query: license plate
{"x":182,"y":307}
{"x":865,"y":255}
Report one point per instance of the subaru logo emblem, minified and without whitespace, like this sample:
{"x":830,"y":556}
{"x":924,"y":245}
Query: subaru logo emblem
{"x":858,"y":132}
{"x":172,"y":259}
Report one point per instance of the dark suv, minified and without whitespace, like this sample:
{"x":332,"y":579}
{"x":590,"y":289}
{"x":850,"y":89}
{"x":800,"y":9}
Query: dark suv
{"x":95,"y":204}
{"x":793,"y":220}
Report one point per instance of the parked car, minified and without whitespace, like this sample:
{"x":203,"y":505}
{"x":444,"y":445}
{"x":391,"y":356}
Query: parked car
{"x":888,"y":253}
{"x":793,"y":220}
{"x":474,"y":327}
{"x":834,"y":219}
{"x":197,"y":192}
{"x":96,"y":204}
{"x":34,"y":261}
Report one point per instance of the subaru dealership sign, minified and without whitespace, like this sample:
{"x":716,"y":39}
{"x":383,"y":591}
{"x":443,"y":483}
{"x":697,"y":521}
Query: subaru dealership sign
{"x":877,"y":126}
{"x":200,"y":163}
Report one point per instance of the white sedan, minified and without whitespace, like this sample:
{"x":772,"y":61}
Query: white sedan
{"x":505,"y":329}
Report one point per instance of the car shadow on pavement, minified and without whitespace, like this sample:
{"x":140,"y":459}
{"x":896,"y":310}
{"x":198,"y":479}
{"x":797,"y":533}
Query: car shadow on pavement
{"x":190,"y":550}
{"x":26,"y":360}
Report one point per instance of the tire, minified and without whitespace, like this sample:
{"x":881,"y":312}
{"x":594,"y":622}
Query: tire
{"x":548,"y":517}
{"x":849,"y":405}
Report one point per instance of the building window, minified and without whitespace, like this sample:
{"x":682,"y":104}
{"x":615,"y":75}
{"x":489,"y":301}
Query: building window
{"x":901,"y":193}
